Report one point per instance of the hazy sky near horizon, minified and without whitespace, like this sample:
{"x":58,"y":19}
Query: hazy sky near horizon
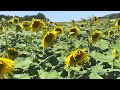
{"x":58,"y":16}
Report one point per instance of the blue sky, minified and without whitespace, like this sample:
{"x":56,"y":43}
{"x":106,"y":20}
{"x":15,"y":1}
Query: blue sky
{"x":58,"y":16}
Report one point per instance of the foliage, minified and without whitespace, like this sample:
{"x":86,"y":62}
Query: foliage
{"x":36,"y":62}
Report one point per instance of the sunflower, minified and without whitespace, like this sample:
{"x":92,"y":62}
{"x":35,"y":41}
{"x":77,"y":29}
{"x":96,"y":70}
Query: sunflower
{"x":15,"y":20}
{"x":50,"y":22}
{"x":56,"y":24}
{"x":2,"y":29}
{"x":95,"y":19}
{"x":118,"y":31}
{"x":82,"y":25}
{"x":12,"y":53}
{"x":110,"y":33}
{"x":25,"y":24}
{"x":48,"y":39}
{"x":77,"y":57}
{"x":118,"y":23}
{"x":96,"y":36}
{"x":115,"y":53}
{"x":111,"y":21}
{"x":36,"y":24}
{"x":74,"y":31}
{"x":10,"y":22}
{"x":6,"y":67}
{"x":73,"y":21}
{"x":58,"y":29}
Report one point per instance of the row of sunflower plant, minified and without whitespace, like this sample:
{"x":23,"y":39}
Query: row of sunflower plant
{"x":35,"y":49}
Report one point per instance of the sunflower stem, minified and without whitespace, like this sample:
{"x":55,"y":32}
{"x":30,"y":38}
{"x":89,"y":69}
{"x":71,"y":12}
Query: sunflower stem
{"x":67,"y":43}
{"x":114,"y":35}
{"x":89,"y":44}
{"x":69,"y":74}
{"x":113,"y":63}
{"x":6,"y":39}
{"x":43,"y":52}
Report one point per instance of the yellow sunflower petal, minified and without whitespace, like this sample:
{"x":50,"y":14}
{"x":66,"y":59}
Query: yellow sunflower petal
{"x":6,"y":67}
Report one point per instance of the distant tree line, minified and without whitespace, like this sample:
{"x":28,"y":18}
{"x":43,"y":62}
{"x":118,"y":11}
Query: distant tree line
{"x":111,"y":16}
{"x":27,"y":17}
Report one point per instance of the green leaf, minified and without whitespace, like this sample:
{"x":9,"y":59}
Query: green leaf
{"x":61,"y":59}
{"x":98,"y":69}
{"x":116,"y":46}
{"x":25,"y":52}
{"x":76,"y":69}
{"x":21,"y":76}
{"x":116,"y":63}
{"x":48,"y":64}
{"x":101,"y":57}
{"x":29,"y":39}
{"x":21,"y":46}
{"x":95,"y":76}
{"x":23,"y":63}
{"x":32,"y":47}
{"x":103,"y":44}
{"x":49,"y":75}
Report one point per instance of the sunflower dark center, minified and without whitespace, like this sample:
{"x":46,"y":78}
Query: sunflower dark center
{"x":72,"y":61}
{"x":10,"y":22}
{"x":111,"y":32}
{"x":78,"y":56}
{"x":73,"y":30}
{"x":118,"y":22}
{"x":12,"y":53}
{"x":58,"y":29}
{"x":82,"y":25}
{"x":36,"y":24}
{"x":95,"y":36}
{"x":25,"y":24}
{"x":49,"y":38}
{"x":15,"y":20}
{"x":95,"y":19}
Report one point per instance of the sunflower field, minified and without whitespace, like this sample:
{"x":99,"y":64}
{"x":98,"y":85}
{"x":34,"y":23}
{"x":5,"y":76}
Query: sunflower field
{"x":35,"y":49}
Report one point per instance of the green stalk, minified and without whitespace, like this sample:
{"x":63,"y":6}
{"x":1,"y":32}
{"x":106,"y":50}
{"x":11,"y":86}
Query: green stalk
{"x":67,"y":43}
{"x":6,"y":39}
{"x":113,"y":63}
{"x":69,"y":75}
{"x":114,"y":35}
{"x":89,"y":44}
{"x":43,"y":53}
